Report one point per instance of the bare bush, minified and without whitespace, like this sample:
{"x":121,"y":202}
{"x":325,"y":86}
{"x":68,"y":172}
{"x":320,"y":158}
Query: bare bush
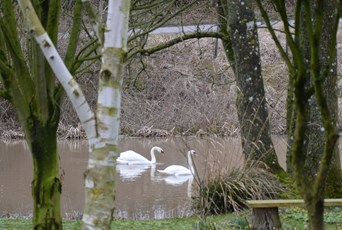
{"x":183,"y":89}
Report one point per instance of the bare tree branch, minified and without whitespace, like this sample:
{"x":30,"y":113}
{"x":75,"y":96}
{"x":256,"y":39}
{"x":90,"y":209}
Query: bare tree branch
{"x":196,"y":35}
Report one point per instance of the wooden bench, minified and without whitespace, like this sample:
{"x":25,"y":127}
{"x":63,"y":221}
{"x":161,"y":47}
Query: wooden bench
{"x":266,"y":213}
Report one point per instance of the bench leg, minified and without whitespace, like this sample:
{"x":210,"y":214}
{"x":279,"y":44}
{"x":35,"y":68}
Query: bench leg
{"x":266,"y":218}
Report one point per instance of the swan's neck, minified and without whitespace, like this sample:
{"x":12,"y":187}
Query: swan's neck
{"x":153,"y":157}
{"x":191,"y":166}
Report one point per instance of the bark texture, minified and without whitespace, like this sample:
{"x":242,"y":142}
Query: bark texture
{"x":311,"y":73}
{"x":236,"y":20}
{"x":100,"y":174}
{"x":315,"y":138}
{"x":266,"y":219}
{"x":29,"y":86}
{"x":102,"y":127}
{"x":46,"y":184}
{"x":99,"y":191}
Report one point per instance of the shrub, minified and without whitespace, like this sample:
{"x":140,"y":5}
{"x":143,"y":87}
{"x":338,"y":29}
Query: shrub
{"x":224,"y":191}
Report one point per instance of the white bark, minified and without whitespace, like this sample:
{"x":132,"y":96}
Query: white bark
{"x":117,"y":24}
{"x":70,"y":86}
{"x":115,"y":45}
{"x":102,"y":135}
{"x":72,"y":89}
{"x":100,"y":175}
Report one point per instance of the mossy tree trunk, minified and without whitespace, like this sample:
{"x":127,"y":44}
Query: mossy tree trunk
{"x":102,"y":126}
{"x":29,"y":85}
{"x":46,"y":184}
{"x":310,"y":75}
{"x":314,"y":143}
{"x":315,"y":137}
{"x":237,"y":22}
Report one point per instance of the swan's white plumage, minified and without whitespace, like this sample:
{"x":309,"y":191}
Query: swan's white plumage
{"x":176,"y":170}
{"x":179,"y":170}
{"x":134,"y":158}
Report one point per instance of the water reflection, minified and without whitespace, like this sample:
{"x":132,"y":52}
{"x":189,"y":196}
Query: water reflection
{"x":177,"y":180}
{"x":131,"y":172}
{"x":141,"y":192}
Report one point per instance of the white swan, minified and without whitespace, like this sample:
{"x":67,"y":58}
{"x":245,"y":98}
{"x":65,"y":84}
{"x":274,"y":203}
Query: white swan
{"x":134,"y":158}
{"x":179,"y":170}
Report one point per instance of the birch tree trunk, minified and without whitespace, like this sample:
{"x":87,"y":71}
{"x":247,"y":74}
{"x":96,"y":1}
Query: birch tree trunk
{"x":100,"y":174}
{"x":102,"y":127}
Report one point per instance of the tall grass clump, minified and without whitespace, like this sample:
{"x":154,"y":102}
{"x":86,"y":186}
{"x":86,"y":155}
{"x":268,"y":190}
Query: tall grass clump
{"x":226,"y":190}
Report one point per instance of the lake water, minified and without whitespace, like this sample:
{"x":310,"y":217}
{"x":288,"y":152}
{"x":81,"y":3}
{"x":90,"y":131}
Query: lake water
{"x":141,"y":192}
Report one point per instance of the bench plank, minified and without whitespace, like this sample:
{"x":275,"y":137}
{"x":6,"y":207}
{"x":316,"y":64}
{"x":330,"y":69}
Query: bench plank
{"x":288,"y":203}
{"x":266,"y":214}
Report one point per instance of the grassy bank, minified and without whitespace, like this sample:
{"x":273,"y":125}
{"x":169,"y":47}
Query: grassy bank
{"x":216,"y":222}
{"x":224,"y":221}
{"x":294,"y":218}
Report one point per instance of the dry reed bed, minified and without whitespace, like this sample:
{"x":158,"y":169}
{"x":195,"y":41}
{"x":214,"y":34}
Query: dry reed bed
{"x":183,"y":90}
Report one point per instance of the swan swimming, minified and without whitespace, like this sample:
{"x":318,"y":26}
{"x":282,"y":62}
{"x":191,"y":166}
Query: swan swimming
{"x":179,"y":170}
{"x":133,"y":158}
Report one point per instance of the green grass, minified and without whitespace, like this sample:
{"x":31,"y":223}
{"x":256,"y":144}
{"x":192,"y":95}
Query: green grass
{"x":293,"y":218}
{"x":298,"y":218}
{"x":26,"y":224}
{"x":215,"y":222}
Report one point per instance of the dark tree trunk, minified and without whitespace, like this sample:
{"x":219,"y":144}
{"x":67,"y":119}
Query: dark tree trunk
{"x":320,"y":128}
{"x":314,"y":143}
{"x":266,"y":219}
{"x":315,"y":210}
{"x":46,"y":184}
{"x":316,"y":131}
{"x":290,"y":124}
{"x":30,"y":86}
{"x":313,"y":47}
{"x":242,"y":50}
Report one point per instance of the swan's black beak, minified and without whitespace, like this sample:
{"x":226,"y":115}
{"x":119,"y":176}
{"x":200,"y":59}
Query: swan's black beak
{"x":162,"y":152}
